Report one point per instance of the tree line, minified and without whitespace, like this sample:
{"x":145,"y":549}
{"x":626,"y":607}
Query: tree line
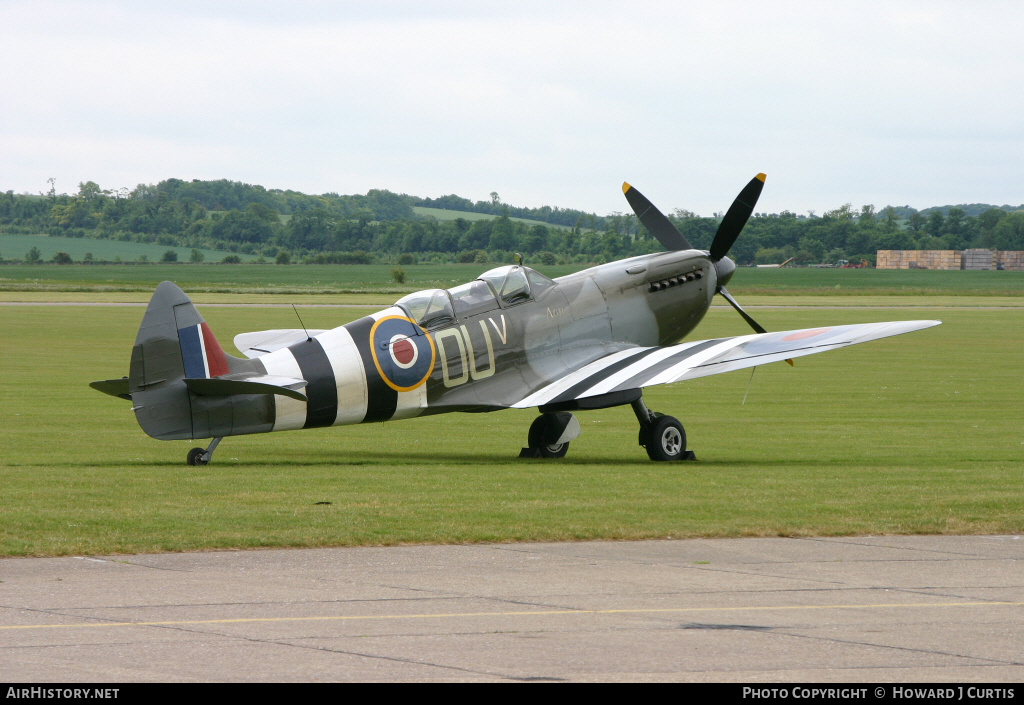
{"x":288,"y":226}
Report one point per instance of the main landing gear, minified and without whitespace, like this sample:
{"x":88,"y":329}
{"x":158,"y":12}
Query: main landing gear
{"x":550,"y":434}
{"x":199,"y":456}
{"x":662,"y":436}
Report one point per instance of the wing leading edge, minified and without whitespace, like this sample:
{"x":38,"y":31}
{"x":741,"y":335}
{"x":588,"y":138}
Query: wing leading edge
{"x":644,"y":367}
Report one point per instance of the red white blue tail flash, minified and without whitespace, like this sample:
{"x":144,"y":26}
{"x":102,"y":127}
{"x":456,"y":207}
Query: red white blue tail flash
{"x":201,"y":353}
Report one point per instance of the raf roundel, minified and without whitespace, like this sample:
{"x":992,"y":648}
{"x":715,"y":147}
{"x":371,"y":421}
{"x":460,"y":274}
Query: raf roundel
{"x":402,"y":351}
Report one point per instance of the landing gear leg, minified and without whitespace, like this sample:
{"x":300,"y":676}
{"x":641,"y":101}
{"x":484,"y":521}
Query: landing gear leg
{"x":662,"y":436}
{"x":550,"y":434}
{"x":198,"y":456}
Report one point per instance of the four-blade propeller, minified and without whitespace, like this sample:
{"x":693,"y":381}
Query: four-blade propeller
{"x":728,"y":230}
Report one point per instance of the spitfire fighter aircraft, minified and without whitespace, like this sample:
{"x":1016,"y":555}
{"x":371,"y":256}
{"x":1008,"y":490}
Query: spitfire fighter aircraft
{"x":512,"y":338}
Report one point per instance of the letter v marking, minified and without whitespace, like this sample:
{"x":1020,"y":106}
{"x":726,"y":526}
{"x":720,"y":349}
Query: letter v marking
{"x":503,"y":333}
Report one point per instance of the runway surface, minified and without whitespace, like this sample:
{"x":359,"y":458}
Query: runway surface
{"x":862,"y":609}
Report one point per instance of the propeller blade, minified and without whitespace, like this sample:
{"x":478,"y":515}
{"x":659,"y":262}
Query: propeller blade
{"x":739,"y":309}
{"x":656,"y":223}
{"x":746,"y":317}
{"x":735,"y":218}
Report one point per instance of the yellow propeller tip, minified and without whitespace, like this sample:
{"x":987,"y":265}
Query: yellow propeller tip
{"x":625,"y":187}
{"x":762,"y":177}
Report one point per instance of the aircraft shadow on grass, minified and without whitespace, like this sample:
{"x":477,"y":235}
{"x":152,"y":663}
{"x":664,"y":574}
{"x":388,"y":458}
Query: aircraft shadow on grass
{"x":512,"y":338}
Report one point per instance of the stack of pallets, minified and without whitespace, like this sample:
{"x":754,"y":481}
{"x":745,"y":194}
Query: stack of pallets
{"x":1011,"y":259}
{"x":918,"y":259}
{"x":978,"y":259}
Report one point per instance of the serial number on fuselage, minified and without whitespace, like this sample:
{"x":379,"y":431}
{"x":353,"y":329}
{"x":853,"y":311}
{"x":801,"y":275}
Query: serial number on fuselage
{"x":456,"y":344}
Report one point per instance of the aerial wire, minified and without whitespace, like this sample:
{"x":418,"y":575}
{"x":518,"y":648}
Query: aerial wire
{"x":744,"y":402}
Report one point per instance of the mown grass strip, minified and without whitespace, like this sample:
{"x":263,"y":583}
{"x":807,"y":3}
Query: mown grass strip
{"x":259,"y":279}
{"x":915,"y":434}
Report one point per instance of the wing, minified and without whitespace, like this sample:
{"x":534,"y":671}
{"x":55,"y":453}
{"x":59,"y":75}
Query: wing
{"x":267,"y":341}
{"x":644,"y":367}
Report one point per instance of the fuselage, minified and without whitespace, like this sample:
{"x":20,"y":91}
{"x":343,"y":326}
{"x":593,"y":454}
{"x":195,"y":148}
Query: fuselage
{"x":494,"y":344}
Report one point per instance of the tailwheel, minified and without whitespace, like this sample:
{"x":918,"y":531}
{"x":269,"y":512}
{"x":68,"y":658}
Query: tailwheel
{"x":665,"y":439}
{"x":202,"y":456}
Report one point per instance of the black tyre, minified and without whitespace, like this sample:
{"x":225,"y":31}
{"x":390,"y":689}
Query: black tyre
{"x":666,"y":439}
{"x":195,"y":456}
{"x":538,"y":430}
{"x":643,"y":436}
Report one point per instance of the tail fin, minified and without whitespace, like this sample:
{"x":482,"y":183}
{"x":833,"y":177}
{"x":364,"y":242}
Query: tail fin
{"x":174,"y":343}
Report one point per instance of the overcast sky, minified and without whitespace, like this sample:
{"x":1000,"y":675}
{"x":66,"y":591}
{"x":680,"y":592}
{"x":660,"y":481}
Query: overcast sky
{"x":546,"y":103}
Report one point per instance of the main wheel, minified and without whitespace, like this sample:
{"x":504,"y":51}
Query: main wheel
{"x":535,"y":439}
{"x":195,"y":456}
{"x":666,"y":439}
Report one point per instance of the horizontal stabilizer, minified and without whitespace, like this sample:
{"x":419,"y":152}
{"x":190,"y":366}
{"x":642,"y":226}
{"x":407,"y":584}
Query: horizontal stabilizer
{"x":113,"y":387}
{"x":262,"y":342}
{"x":638,"y":367}
{"x":264,"y":384}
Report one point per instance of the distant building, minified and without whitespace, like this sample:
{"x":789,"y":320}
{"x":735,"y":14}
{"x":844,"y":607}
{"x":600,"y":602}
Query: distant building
{"x":950,"y":259}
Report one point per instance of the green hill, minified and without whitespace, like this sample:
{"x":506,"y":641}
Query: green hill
{"x":15,"y":247}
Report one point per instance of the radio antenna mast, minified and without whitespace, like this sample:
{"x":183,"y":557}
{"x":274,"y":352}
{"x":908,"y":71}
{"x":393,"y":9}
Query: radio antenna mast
{"x":308,"y":336}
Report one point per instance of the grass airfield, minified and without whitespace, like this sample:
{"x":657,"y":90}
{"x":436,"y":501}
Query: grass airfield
{"x":920,"y":433}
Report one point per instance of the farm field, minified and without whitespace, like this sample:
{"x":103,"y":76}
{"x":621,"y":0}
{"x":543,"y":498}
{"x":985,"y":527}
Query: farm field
{"x":250,"y":278}
{"x":17,"y":246}
{"x":914,"y":434}
{"x":443,"y":214}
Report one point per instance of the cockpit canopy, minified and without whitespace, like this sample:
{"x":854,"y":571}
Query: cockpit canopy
{"x":509,"y":285}
{"x":514,"y":284}
{"x":429,"y":308}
